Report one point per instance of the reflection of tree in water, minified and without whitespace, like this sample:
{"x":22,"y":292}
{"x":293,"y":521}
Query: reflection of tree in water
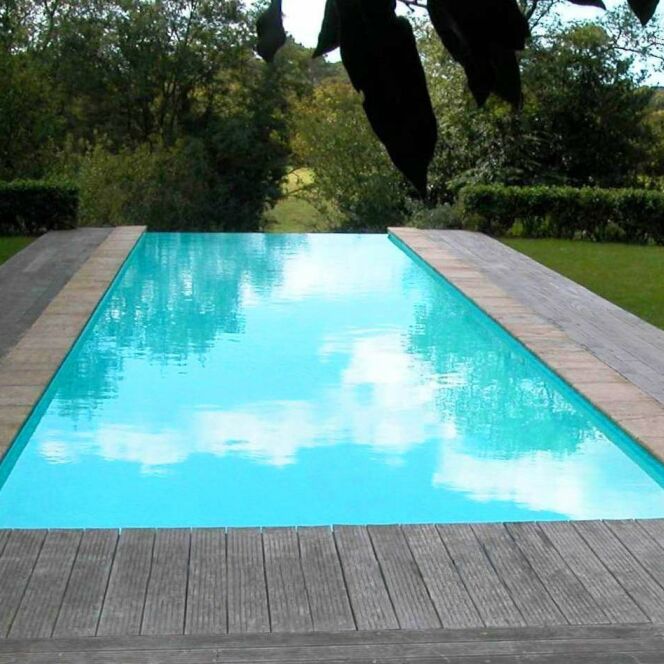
{"x":502,"y":404}
{"x":178,"y":294}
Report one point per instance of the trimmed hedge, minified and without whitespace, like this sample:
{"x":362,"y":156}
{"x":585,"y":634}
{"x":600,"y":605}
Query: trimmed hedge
{"x":31,"y":207}
{"x":628,"y":215}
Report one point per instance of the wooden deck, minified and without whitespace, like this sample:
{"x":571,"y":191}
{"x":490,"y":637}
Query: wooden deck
{"x":73,"y":584}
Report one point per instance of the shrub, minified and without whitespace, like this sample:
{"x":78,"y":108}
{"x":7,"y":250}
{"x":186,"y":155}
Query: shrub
{"x":31,"y":207}
{"x":443,"y":216}
{"x":627,"y":215}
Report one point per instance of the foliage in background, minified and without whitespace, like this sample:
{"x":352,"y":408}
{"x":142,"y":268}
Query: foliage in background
{"x":150,"y":94}
{"x":32,"y":207}
{"x":629,"y":215}
{"x":354,"y":182}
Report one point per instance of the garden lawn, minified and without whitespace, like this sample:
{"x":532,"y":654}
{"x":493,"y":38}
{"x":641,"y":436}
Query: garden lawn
{"x":12,"y":245}
{"x":631,"y":276}
{"x":293,"y":213}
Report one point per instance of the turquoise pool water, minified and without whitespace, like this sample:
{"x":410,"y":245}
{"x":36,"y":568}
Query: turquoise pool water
{"x":263,"y":380}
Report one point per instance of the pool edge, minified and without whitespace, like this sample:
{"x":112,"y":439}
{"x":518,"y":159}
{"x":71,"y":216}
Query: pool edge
{"x":604,"y":387}
{"x":28,"y":368}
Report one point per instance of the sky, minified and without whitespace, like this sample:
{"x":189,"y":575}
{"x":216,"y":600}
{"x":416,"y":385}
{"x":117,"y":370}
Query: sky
{"x":302,"y":18}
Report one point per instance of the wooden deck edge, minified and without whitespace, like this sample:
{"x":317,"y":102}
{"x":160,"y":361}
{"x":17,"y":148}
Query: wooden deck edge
{"x":320,"y":646}
{"x":27,"y":369}
{"x":628,"y":406}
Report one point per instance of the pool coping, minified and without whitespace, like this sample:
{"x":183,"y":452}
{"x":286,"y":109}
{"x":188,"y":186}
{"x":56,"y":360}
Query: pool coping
{"x":27,"y":369}
{"x":627,"y":405}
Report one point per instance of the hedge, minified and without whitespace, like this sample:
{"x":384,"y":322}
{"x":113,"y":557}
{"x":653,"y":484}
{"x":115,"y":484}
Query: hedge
{"x":628,"y":215}
{"x":31,"y":207}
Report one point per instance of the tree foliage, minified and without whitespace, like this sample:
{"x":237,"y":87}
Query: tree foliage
{"x":377,"y":49}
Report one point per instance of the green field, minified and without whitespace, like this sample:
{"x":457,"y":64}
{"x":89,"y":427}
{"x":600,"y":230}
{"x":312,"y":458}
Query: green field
{"x":631,"y":276}
{"x":293,"y":213}
{"x":10,"y":245}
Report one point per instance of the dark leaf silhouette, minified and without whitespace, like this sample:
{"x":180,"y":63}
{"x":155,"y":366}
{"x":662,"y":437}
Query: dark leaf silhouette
{"x":328,"y":38}
{"x":589,"y":3}
{"x":270,"y":31}
{"x":644,"y":9}
{"x":379,"y":52}
{"x":483,"y":36}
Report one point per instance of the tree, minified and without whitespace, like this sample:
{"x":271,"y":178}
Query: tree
{"x":379,"y":52}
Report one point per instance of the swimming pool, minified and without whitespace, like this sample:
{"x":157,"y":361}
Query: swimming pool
{"x":280,"y":380}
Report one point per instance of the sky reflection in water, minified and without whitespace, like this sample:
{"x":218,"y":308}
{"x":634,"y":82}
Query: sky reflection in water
{"x":242,"y":380}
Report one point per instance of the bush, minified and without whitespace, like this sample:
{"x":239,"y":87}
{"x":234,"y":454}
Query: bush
{"x":443,"y":216}
{"x":627,"y":215}
{"x":31,"y":207}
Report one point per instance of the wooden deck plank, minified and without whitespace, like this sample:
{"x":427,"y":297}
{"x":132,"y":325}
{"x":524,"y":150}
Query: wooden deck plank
{"x":4,"y":538}
{"x":450,"y":646}
{"x":165,"y":601}
{"x":39,"y":608}
{"x":286,"y":589}
{"x":642,"y":546}
{"x":247,"y":595}
{"x":403,"y":578}
{"x":368,"y":594}
{"x":122,"y":612}
{"x":81,"y":607}
{"x":527,"y":591}
{"x":16,"y":565}
{"x":609,"y":595}
{"x":647,"y":593}
{"x":491,"y":598}
{"x":328,"y":598}
{"x":570,"y":595}
{"x":207,"y":589}
{"x":448,"y":592}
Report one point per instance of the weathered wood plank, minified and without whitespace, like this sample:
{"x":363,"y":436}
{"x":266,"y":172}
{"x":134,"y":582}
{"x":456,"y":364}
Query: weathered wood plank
{"x":207,"y":588}
{"x":609,"y":595}
{"x":38,"y":611}
{"x":165,"y":601}
{"x":81,"y":607}
{"x":647,"y":593}
{"x":403,"y":578}
{"x":16,"y":565}
{"x":368,"y":594}
{"x":568,"y":592}
{"x":247,"y":594}
{"x":489,"y":595}
{"x":328,"y":598}
{"x":448,"y":593}
{"x":526,"y":589}
{"x":642,"y":546}
{"x":122,"y":611}
{"x":286,"y":589}
{"x":4,"y":538}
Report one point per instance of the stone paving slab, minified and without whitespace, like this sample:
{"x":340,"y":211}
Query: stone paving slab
{"x":67,"y":302}
{"x":533,"y":304}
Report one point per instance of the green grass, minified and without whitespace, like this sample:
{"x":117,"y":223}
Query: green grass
{"x":294,"y":214}
{"x":12,"y":245}
{"x":631,"y":276}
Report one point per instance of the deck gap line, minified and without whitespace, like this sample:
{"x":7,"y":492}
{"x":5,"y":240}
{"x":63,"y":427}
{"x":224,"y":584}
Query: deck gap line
{"x":27,"y":583}
{"x":108,"y":581}
{"x":382,"y":576}
{"x":147,"y":581}
{"x":537,"y":576}
{"x":186,"y":583}
{"x":484,"y":551}
{"x":267,"y":587}
{"x":458,"y":572}
{"x":81,"y":535}
{"x":304,"y":578}
{"x":343,"y":576}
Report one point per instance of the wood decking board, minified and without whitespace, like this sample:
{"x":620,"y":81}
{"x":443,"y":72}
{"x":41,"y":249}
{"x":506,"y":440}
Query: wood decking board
{"x":207,"y":589}
{"x":84,"y":597}
{"x":247,"y":593}
{"x":328,"y":598}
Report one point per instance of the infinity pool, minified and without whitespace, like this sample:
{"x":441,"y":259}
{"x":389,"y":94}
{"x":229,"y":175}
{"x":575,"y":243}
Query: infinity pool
{"x":280,"y":380}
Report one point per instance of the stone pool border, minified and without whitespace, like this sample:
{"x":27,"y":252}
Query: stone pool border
{"x":640,"y":415}
{"x":27,"y":369}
